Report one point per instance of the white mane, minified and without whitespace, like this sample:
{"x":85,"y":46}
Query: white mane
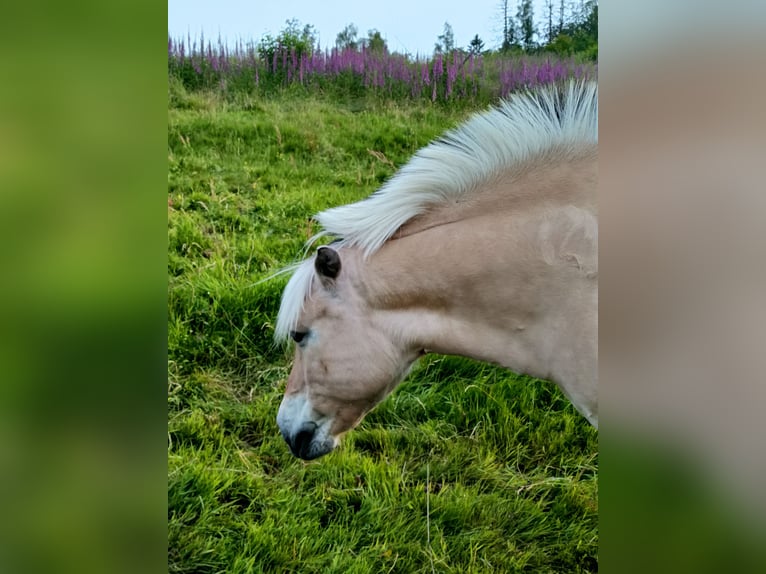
{"x":521,"y":127}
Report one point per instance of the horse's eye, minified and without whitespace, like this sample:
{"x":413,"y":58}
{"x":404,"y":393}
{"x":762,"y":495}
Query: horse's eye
{"x":298,"y":336}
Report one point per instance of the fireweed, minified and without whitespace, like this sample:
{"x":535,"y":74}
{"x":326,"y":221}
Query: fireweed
{"x":444,"y":77}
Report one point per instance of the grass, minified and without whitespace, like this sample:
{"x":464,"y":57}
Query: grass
{"x":465,"y":468}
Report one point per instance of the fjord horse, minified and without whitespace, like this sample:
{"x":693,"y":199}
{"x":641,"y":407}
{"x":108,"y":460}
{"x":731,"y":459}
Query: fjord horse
{"x":484,"y":245}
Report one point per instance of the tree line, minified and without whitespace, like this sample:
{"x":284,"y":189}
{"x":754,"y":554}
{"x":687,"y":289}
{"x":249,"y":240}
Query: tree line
{"x":567,"y":28}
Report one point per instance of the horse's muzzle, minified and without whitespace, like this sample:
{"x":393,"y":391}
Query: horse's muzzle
{"x":300,"y":443}
{"x":306,"y":439}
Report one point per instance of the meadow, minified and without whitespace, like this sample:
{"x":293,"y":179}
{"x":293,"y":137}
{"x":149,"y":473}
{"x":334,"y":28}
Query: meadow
{"x":465,"y":468}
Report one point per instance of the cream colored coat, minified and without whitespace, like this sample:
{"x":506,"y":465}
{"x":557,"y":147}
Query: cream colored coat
{"x":485,"y":245}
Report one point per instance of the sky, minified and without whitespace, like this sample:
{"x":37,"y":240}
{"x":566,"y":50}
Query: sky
{"x":408,"y":26}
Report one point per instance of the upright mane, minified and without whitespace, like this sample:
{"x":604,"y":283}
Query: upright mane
{"x":521,"y":127}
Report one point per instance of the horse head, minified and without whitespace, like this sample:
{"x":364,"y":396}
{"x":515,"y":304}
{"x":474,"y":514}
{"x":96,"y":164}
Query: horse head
{"x":346,"y":359}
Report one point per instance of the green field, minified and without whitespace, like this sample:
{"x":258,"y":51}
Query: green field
{"x":465,"y":468}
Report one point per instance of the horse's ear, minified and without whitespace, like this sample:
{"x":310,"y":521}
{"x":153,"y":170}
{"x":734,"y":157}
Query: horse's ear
{"x":327,"y":262}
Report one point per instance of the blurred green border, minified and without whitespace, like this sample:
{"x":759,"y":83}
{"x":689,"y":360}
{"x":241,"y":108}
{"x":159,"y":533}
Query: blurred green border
{"x":83,"y":112}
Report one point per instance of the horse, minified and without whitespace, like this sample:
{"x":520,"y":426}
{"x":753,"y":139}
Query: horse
{"x":483,"y":245}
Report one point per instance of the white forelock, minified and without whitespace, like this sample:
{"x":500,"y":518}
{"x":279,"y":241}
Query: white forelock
{"x":295,"y":293}
{"x":522,"y":126}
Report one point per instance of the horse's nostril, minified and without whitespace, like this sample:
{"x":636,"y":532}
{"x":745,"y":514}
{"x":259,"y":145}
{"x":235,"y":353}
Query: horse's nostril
{"x":301,"y":443}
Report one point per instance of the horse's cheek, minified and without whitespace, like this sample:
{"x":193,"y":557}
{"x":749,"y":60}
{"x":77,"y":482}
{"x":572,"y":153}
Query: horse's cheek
{"x":295,"y":380}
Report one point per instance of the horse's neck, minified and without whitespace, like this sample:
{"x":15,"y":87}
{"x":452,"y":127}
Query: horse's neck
{"x":487,"y":287}
{"x":517,"y":288}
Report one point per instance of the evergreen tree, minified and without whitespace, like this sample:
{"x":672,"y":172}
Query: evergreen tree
{"x":526,"y":17}
{"x":476,"y":46}
{"x":561,"y":17}
{"x":550,"y":32}
{"x":510,"y":31}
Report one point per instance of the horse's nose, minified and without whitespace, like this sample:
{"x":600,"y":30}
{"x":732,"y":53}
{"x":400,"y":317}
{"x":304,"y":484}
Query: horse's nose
{"x":300,"y":442}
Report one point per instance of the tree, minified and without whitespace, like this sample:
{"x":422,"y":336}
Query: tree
{"x":346,"y":38}
{"x":526,"y":17}
{"x":589,"y":24}
{"x":550,"y":32}
{"x":303,"y":39}
{"x":311,"y":36}
{"x":510,"y":33}
{"x":375,"y":42}
{"x":585,"y":30}
{"x":561,"y":17}
{"x":446,"y":43}
{"x":579,"y":34}
{"x":476,"y":45}
{"x":292,"y":39}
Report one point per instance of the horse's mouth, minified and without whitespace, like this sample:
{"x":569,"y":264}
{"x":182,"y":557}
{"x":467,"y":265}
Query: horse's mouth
{"x":307,"y":440}
{"x":307,"y":446}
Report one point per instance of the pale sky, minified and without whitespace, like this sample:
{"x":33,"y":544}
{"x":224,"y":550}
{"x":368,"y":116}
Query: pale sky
{"x":407,"y":25}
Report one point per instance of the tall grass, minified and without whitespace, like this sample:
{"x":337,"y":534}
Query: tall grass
{"x":465,"y":468}
{"x":444,"y":78}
